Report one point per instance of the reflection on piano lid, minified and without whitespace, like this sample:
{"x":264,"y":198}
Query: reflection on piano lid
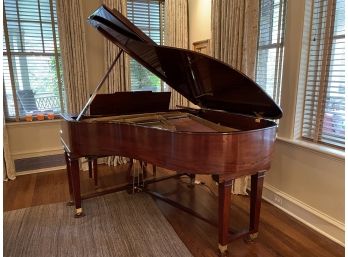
{"x":203,"y":80}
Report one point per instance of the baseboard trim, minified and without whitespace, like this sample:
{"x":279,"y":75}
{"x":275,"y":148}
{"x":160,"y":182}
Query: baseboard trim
{"x":45,"y":152}
{"x":320,"y":222}
{"x":40,"y":170}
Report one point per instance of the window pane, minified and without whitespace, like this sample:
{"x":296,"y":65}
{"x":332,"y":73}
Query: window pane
{"x":34,"y":57}
{"x":270,"y":47}
{"x":324,"y":112}
{"x":148,"y":16}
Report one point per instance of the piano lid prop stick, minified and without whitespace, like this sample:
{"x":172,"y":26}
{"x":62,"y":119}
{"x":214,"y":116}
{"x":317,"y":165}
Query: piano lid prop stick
{"x":99,"y":86}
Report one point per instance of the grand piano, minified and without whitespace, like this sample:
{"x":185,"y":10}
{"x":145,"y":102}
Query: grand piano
{"x":231,"y":134}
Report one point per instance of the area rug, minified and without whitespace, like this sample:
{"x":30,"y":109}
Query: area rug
{"x":117,"y":224}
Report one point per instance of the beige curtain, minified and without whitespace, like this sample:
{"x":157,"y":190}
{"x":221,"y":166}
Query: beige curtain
{"x":234,"y":41}
{"x":176,"y":35}
{"x":119,"y":78}
{"x":73,"y":50}
{"x":8,"y":165}
{"x":234,"y":33}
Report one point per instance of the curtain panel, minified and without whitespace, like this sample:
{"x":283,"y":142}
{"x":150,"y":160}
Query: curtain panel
{"x":176,"y":35}
{"x":235,"y":33}
{"x":234,"y":41}
{"x":9,"y":171}
{"x":119,"y":78}
{"x":73,"y":50}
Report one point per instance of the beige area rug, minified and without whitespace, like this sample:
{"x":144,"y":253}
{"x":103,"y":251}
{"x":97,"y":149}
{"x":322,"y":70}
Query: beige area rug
{"x":115,"y":225}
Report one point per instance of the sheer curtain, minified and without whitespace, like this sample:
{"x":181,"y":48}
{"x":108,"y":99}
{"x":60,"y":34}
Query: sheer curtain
{"x":8,"y":165}
{"x":176,"y":35}
{"x":234,"y":41}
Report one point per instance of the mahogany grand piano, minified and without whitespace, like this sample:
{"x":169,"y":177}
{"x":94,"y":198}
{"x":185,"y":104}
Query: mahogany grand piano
{"x":230,"y":135}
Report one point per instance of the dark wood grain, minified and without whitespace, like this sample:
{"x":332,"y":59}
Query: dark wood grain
{"x":279,"y":234}
{"x":231,"y":154}
{"x":228,"y":154}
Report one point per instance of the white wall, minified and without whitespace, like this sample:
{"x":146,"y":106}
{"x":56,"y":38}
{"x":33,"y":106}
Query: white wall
{"x":94,"y":47}
{"x":199,"y":20}
{"x":36,"y":138}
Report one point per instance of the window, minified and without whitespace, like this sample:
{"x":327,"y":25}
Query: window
{"x":269,"y":64}
{"x":324,"y":100}
{"x":31,"y":59}
{"x":148,"y":15}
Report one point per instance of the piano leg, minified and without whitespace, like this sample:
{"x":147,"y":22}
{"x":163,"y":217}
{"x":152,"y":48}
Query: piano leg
{"x":255,"y":204}
{"x":224,"y":215}
{"x":90,"y":171}
{"x":154,"y":170}
{"x":144,"y":169}
{"x":75,"y":178}
{"x":68,"y":170}
{"x":95,"y":171}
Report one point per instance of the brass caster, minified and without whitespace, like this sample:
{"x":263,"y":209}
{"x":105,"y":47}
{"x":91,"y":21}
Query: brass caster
{"x":70,"y":203}
{"x":251,"y":237}
{"x":223,"y":250}
{"x":79,"y":213}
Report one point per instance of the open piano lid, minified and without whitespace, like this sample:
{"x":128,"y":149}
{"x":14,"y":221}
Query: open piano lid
{"x":203,"y":80}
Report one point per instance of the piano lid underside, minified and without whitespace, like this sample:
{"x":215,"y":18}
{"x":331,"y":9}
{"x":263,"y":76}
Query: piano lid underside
{"x":172,"y":121}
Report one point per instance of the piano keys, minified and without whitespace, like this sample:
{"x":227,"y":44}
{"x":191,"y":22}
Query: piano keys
{"x":230,"y":135}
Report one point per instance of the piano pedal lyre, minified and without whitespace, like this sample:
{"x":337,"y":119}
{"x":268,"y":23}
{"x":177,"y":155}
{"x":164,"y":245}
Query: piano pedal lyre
{"x":138,"y":183}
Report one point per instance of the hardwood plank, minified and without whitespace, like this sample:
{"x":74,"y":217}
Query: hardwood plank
{"x":279,"y":233}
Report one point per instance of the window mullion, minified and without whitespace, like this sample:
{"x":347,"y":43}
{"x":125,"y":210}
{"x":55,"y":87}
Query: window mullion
{"x":41,"y":30}
{"x":277,"y":61}
{"x":281,"y":47}
{"x":5,"y":98}
{"x":317,"y":40}
{"x":19,"y":27}
{"x":9,"y":59}
{"x":161,"y":33}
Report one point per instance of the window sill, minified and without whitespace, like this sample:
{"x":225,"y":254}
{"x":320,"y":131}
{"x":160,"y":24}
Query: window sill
{"x":323,"y":149}
{"x":34,"y":122}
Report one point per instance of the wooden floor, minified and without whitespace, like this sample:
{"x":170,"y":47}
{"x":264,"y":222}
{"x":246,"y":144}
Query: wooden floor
{"x":279,"y":235}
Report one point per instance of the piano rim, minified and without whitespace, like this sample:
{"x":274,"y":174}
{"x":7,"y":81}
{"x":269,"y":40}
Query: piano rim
{"x":269,"y":125}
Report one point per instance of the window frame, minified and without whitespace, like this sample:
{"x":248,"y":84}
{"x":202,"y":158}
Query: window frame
{"x":278,"y":46}
{"x":318,"y":106}
{"x":9,"y":54}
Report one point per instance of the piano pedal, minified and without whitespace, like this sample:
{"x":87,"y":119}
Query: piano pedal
{"x":135,"y":189}
{"x":138,"y":189}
